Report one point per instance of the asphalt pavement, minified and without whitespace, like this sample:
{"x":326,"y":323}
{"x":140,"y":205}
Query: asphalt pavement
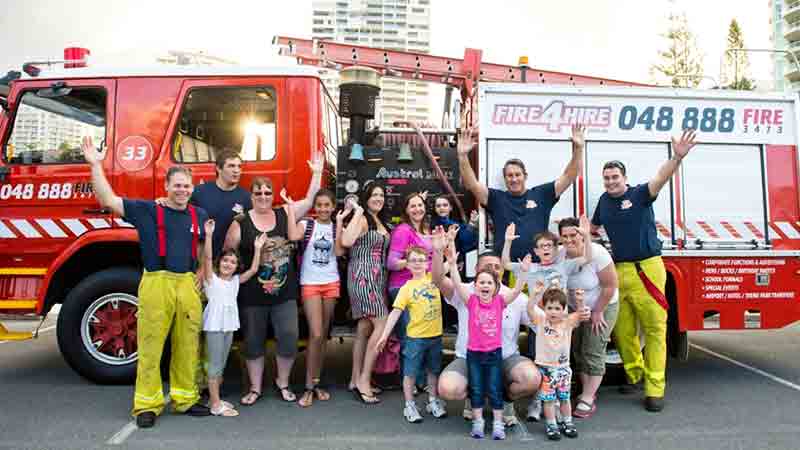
{"x":738,"y":390}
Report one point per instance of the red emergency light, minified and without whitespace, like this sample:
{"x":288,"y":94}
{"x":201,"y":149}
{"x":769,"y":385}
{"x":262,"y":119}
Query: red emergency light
{"x":75,"y":57}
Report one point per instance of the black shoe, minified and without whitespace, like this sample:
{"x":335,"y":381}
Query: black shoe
{"x":654,"y":404}
{"x":568,"y":430}
{"x":552,"y":432}
{"x":631,"y":388}
{"x":146,"y":419}
{"x":198,"y":410}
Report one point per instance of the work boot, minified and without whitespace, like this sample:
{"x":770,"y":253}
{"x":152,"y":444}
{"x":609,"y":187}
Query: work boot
{"x":631,"y":388}
{"x":146,"y":419}
{"x":654,"y":404}
{"x":198,"y":410}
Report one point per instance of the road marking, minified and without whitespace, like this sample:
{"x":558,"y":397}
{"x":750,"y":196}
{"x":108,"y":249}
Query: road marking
{"x":772,"y":377}
{"x":51,"y":327}
{"x":123,"y":434}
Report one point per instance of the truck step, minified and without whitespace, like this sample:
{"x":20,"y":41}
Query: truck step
{"x":6,"y":335}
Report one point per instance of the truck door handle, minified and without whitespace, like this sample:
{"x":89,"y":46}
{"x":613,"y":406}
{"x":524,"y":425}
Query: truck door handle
{"x":97,"y":211}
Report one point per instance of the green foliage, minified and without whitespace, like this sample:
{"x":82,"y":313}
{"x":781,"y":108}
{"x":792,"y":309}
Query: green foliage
{"x":736,"y":66}
{"x":681,"y":64}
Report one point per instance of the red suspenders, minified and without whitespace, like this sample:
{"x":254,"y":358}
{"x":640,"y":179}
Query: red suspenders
{"x":162,"y":234}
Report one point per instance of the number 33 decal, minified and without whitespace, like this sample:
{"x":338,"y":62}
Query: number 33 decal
{"x":134,"y":153}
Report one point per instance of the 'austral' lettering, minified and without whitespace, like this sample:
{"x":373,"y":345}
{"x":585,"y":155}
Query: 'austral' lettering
{"x":554,"y":116}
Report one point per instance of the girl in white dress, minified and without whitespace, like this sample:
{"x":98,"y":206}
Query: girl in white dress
{"x":221,"y":316}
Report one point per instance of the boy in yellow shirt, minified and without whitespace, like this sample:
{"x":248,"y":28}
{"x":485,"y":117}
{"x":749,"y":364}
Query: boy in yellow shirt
{"x":423,"y":344}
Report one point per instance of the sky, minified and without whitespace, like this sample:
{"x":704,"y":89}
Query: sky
{"x":608,"y":38}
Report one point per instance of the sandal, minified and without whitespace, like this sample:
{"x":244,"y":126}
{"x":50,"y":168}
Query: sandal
{"x":322,"y":394}
{"x":375,"y":390}
{"x":587,"y":411}
{"x":307,"y":399}
{"x":284,"y":392}
{"x":224,"y":410}
{"x":364,"y":398}
{"x":253,"y":395}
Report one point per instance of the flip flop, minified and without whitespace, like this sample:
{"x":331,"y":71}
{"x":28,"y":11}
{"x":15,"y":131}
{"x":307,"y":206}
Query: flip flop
{"x":281,"y":391}
{"x":307,"y":399}
{"x":255,"y":399}
{"x":587,"y":412}
{"x":364,"y":398}
{"x":224,"y":411}
{"x":321,"y":394}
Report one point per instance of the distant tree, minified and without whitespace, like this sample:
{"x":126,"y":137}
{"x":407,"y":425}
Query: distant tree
{"x":736,"y":66}
{"x":681,"y":64}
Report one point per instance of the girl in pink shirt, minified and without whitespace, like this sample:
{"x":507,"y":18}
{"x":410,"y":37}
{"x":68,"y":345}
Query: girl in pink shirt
{"x":484,"y":343}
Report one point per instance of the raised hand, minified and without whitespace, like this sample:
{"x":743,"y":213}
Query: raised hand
{"x":286,"y":198}
{"x":578,"y":135}
{"x":525,"y":264}
{"x":90,"y":153}
{"x":682,"y":146}
{"x":466,"y":140}
{"x":452,"y":232}
{"x":316,"y":163}
{"x":341,"y":215}
{"x":209,"y":226}
{"x":260,"y":241}
{"x":585,"y":227}
{"x":424,"y":195}
{"x":537,"y":289}
{"x":511,"y":232}
{"x":439,"y":239}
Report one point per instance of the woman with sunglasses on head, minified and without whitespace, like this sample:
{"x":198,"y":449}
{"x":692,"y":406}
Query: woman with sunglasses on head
{"x":271,"y":295}
{"x":598,"y":281}
{"x":366,"y":233}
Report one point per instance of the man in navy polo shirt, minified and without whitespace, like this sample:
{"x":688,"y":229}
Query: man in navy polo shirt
{"x":530,"y":208}
{"x":224,"y":199}
{"x":626,"y":213}
{"x":170,"y":239}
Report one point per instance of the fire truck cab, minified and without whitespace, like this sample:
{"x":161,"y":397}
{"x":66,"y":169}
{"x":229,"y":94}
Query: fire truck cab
{"x":57,"y":246}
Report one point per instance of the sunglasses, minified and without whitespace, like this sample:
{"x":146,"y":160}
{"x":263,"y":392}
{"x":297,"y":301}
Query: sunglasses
{"x":262,"y":194}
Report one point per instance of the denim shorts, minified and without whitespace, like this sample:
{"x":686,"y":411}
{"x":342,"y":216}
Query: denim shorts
{"x":422,"y":353}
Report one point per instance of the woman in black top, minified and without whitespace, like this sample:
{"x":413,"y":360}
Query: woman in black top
{"x":271,"y":295}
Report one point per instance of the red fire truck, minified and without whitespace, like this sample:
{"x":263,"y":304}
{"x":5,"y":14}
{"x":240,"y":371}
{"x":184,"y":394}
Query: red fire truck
{"x":57,"y":246}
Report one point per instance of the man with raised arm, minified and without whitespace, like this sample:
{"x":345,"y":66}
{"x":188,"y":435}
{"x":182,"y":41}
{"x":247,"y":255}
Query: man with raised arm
{"x":521,"y":377}
{"x":170,"y":239}
{"x":626,"y":213}
{"x":530,"y":208}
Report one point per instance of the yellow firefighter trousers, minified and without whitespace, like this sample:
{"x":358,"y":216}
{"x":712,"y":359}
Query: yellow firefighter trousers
{"x":168,"y":302}
{"x":637,"y":305}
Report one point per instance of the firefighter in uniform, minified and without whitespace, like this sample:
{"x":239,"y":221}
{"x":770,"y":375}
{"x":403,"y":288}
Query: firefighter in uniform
{"x":626,"y":213}
{"x":170,"y":238}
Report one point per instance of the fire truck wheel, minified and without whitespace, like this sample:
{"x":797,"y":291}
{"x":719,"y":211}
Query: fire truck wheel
{"x":97,"y":326}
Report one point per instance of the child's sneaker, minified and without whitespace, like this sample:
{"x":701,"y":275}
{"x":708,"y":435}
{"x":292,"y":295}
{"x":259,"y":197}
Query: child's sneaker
{"x":498,"y":430}
{"x":534,"y":410}
{"x":552,"y":432}
{"x":477,"y":429}
{"x":411,"y":413}
{"x":467,"y":413}
{"x":509,"y":414}
{"x":436,"y":408}
{"x":568,"y":429}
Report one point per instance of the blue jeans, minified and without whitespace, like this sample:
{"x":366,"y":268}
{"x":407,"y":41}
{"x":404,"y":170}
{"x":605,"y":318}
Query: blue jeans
{"x":420,"y":354}
{"x":485,"y":371}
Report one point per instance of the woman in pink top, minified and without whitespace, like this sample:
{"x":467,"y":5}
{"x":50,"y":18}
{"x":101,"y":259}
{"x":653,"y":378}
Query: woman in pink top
{"x":413,"y":230}
{"x":484,"y":343}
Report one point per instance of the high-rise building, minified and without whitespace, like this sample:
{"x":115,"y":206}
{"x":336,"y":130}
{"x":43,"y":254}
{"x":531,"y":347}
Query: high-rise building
{"x":785,"y":35}
{"x":391,"y":24}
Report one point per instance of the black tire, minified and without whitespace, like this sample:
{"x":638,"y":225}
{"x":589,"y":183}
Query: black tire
{"x":120,"y":281}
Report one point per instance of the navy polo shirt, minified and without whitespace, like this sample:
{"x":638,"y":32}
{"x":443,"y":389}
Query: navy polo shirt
{"x":178,"y":226}
{"x":222,"y":206}
{"x":529,"y":211}
{"x":630,"y":224}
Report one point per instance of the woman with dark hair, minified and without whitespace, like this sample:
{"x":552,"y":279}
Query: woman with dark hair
{"x":366,"y":234}
{"x":598,"y":280}
{"x":467,"y":237}
{"x":414,"y":230}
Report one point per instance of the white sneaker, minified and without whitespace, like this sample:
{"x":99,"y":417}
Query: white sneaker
{"x":435,"y":408}
{"x":509,"y":415}
{"x":534,"y":410}
{"x":411,"y":413}
{"x":467,"y":413}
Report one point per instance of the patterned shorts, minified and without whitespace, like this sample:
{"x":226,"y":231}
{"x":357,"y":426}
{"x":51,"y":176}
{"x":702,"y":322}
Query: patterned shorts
{"x":555,"y":383}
